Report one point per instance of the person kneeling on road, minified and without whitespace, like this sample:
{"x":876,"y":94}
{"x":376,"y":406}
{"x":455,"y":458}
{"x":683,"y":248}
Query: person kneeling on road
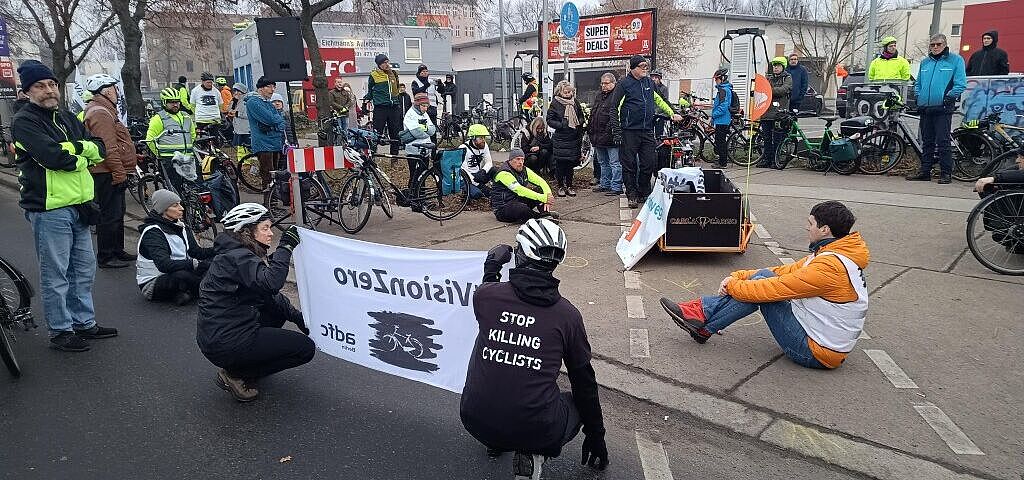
{"x":241,"y":308}
{"x":511,"y":199}
{"x":511,"y":401}
{"x":815,"y":307}
{"x":476,"y":161}
{"x":168,"y":266}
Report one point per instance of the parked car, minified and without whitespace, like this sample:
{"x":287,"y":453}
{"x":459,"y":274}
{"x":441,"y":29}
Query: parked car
{"x":843,"y":100}
{"x":813,"y":103}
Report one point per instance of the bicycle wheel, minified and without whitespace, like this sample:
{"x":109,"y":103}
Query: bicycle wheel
{"x":7,"y":157}
{"x":6,"y":338}
{"x":995,"y":232}
{"x":586,"y":153}
{"x":354,"y":203}
{"x":700,"y":147}
{"x":132,"y":185}
{"x":786,"y":153}
{"x":846,"y":167}
{"x":381,"y":196}
{"x":1006,"y":161}
{"x":880,"y":152}
{"x":972,"y":153}
{"x":442,"y":198}
{"x":318,"y":203}
{"x":250,"y":173}
{"x":740,"y":148}
{"x":11,"y":293}
{"x":144,"y":190}
{"x":199,"y":219}
{"x":276,"y":206}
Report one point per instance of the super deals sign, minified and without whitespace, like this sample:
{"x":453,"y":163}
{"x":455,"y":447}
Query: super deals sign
{"x":404,"y":311}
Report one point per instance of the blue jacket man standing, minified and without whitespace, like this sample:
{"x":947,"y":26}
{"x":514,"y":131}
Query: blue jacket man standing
{"x":633,"y":104}
{"x":799,"y":74}
{"x":940,"y":81}
{"x":266,"y":126}
{"x":721,"y":116}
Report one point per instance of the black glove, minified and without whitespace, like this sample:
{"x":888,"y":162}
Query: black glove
{"x":302,"y":326}
{"x":481,"y":177}
{"x":496,"y":258}
{"x":948,"y":101}
{"x":290,"y":238}
{"x":595,"y":452}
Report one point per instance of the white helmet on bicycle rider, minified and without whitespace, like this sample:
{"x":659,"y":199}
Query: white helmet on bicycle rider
{"x":97,"y":82}
{"x":242,"y":215}
{"x":540,"y":244}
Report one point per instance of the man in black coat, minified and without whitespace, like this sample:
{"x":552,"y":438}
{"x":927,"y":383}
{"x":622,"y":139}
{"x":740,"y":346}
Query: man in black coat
{"x":990,"y":60}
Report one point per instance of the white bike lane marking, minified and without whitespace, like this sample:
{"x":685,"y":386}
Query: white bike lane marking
{"x":653,"y":459}
{"x":639,"y":338}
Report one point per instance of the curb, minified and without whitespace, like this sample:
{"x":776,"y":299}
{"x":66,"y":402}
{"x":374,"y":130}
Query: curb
{"x":803,"y":438}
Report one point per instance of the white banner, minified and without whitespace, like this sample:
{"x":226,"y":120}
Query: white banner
{"x":648,"y":227}
{"x":122,"y":105}
{"x":404,"y":311}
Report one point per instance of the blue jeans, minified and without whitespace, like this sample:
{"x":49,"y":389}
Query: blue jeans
{"x":611,"y":169}
{"x":67,"y":268}
{"x":722,"y":311}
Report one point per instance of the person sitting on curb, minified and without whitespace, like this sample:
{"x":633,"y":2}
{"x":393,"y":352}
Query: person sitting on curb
{"x":168,"y":266}
{"x":476,"y":161}
{"x":815,"y":307}
{"x":511,"y":198}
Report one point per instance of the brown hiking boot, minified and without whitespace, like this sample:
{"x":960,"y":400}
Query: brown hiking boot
{"x":242,"y":390}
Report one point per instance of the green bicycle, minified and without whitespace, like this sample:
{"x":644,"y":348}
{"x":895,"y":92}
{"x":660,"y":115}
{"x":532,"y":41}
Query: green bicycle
{"x":819,"y":155}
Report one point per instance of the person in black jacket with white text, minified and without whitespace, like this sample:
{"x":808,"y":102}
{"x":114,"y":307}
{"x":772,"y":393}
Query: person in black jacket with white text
{"x":241,"y":308}
{"x":511,"y":401}
{"x":169,"y":264}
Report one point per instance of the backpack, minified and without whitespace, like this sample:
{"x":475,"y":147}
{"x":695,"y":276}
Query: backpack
{"x":734,"y":105}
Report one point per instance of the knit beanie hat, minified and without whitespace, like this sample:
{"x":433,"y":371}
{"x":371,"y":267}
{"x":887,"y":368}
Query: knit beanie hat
{"x":421,"y":98}
{"x":163,"y":199}
{"x":32,"y":71}
{"x":420,"y":69}
{"x":635,"y":61}
{"x":379,"y":59}
{"x":516,"y":152}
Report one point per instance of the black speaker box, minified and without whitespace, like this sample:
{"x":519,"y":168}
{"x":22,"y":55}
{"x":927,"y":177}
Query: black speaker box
{"x":281,"y":49}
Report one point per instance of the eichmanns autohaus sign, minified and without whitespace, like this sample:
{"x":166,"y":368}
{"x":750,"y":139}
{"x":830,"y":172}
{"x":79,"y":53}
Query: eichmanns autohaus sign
{"x":404,"y":311}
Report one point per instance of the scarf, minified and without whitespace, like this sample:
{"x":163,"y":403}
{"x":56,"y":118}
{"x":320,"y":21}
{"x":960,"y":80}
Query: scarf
{"x":939,"y":56}
{"x":889,"y":56}
{"x":571,"y":120}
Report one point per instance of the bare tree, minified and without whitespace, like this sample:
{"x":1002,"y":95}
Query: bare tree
{"x":678,"y":35}
{"x":68,"y":30}
{"x":715,"y":6}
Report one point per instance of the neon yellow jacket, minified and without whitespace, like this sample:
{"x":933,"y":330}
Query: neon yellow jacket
{"x":897,"y":68}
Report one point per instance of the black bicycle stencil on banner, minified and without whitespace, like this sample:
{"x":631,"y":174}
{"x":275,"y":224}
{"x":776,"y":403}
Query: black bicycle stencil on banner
{"x":403,"y":340}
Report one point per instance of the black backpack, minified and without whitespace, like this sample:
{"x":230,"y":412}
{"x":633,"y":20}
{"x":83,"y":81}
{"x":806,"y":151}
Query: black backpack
{"x":734,"y":105}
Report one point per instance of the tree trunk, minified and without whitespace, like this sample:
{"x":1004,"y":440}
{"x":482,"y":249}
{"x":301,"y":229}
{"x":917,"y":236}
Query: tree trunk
{"x":131,"y":71}
{"x":316,"y":61}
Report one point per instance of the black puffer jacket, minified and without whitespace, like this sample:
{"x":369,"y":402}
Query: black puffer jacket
{"x":600,"y":127}
{"x":990,"y":60}
{"x":238,"y":288}
{"x":567,"y":143}
{"x":153,"y":245}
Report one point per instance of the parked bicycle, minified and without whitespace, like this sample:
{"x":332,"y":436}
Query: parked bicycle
{"x":819,"y":155}
{"x":437,"y":194}
{"x":986,"y":139}
{"x":995,"y":229}
{"x":7,"y":156}
{"x":15,"y":312}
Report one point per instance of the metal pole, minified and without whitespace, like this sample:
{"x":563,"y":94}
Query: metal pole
{"x":543,"y":67}
{"x":293,"y":179}
{"x":853,"y":36}
{"x":872,"y":34}
{"x":906,"y":34}
{"x":936,"y":16}
{"x":504,"y":72}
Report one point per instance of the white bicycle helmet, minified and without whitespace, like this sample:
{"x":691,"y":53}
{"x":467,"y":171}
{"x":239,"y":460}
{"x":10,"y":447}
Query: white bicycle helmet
{"x":99,"y":81}
{"x":541,"y":240}
{"x":242,"y":215}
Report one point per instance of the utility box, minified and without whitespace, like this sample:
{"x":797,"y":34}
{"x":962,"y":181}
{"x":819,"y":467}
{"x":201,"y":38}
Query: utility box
{"x":713,"y":221}
{"x":476,"y":85}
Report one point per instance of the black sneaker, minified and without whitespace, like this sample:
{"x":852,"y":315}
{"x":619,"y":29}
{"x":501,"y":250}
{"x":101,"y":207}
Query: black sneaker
{"x":944,"y":179}
{"x":69,"y":342}
{"x":526,"y":466}
{"x":921,"y":177}
{"x":97,"y":332}
{"x":692,"y":326}
{"x":126,"y":257}
{"x":113,"y":263}
{"x":570,"y":192}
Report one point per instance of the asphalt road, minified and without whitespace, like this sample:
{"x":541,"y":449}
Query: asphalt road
{"x":144,"y":405}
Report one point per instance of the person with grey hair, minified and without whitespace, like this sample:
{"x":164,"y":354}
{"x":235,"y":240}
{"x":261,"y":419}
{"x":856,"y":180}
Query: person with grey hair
{"x":941,"y":79}
{"x":606,"y":152}
{"x":171,"y":263}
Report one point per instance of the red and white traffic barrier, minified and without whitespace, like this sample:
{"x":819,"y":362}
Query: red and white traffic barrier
{"x":314,"y":159}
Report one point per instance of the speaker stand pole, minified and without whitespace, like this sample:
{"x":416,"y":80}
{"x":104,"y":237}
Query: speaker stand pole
{"x":296,"y":189}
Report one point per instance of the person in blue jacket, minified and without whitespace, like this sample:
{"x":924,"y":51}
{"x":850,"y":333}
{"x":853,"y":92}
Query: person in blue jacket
{"x":266,"y":127}
{"x":721,"y":115}
{"x":799,"y":74}
{"x":940,"y":81}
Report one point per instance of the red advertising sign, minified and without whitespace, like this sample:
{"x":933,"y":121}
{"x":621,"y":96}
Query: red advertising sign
{"x":7,"y":81}
{"x":604,"y":37}
{"x":336,"y":61}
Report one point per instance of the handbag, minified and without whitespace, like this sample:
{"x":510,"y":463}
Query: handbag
{"x":406,"y":136}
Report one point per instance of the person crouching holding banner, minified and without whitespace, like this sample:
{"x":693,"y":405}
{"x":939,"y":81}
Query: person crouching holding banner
{"x":511,"y":401}
{"x":241,"y":308}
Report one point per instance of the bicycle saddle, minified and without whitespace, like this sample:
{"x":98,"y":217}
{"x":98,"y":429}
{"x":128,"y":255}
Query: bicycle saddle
{"x":203,"y":139}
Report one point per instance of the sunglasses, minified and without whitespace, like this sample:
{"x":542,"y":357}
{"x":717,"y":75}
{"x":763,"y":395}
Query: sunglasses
{"x":936,"y":44}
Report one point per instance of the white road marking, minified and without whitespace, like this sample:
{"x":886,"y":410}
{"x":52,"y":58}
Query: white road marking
{"x":652,"y":458}
{"x":631,"y":279}
{"x":761,"y":231}
{"x":623,"y":202}
{"x":635,"y":306}
{"x":888,"y":366}
{"x":753,"y":218}
{"x":786,"y":260}
{"x":778,"y":251}
{"x":957,"y":440}
{"x":639,"y":343}
{"x":625,"y":214}
{"x":864,"y":336}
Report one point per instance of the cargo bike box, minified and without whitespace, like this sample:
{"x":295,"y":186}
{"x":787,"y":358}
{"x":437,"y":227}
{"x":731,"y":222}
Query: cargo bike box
{"x":713,"y":221}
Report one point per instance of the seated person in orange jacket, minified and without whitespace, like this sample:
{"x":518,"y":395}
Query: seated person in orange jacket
{"x":815,"y":307}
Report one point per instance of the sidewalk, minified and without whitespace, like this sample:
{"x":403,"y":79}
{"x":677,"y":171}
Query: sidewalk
{"x":864,"y":416}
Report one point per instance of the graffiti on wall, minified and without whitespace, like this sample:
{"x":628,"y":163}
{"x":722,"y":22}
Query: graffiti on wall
{"x":987,"y":95}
